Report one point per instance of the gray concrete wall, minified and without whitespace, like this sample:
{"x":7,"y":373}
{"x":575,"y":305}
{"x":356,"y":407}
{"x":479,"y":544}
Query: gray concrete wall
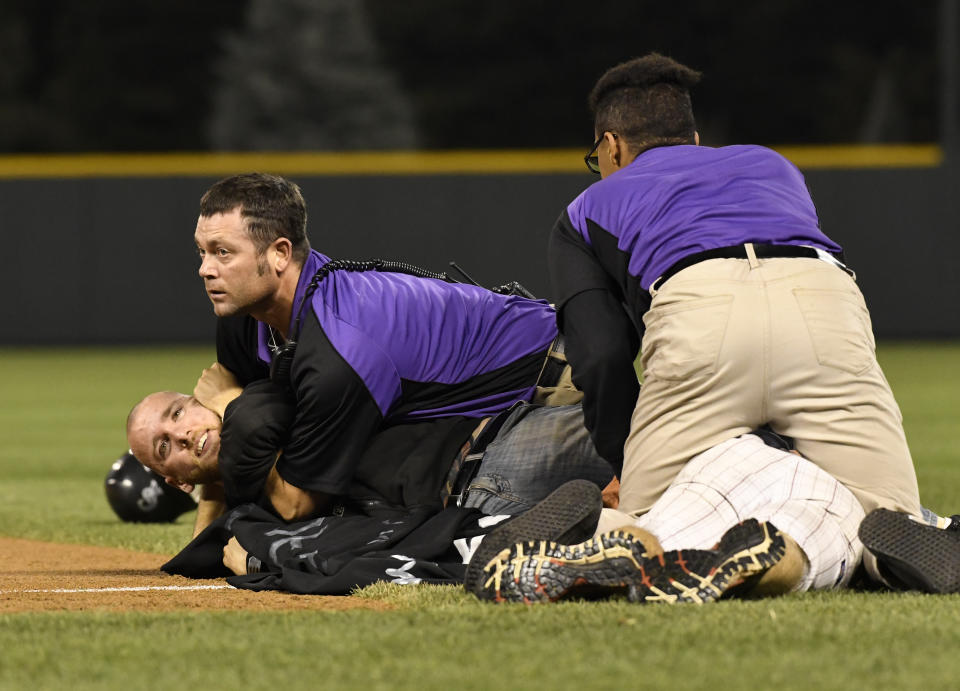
{"x":111,"y":261}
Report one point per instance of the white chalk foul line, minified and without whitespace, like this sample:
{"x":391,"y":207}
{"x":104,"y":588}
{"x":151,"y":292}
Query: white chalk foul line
{"x":129,"y":589}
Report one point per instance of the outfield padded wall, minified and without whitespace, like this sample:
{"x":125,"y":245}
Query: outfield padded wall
{"x":110,"y":260}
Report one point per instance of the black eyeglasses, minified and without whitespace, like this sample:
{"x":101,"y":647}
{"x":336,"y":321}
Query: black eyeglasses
{"x":592,"y":159}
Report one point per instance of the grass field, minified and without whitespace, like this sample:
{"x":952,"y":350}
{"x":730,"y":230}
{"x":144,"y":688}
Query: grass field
{"x":61,"y":424}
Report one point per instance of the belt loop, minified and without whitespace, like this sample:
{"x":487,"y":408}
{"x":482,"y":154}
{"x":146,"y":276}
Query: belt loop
{"x":653,"y":287}
{"x":831,"y":259}
{"x":751,"y":255}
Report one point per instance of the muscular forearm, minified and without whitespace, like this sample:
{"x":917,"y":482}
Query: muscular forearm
{"x":216,"y":388}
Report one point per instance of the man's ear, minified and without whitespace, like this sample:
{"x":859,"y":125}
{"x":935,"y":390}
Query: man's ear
{"x":281,"y":254}
{"x":621,"y":154}
{"x":613,"y":150}
{"x":696,"y":138}
{"x":179,"y":485}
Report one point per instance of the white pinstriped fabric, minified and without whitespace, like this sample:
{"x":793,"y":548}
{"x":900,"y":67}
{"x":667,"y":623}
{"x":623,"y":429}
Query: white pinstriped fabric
{"x":744,"y":478}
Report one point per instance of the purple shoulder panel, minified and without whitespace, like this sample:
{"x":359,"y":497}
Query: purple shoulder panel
{"x":391,"y":327}
{"x":363,"y":354}
{"x":678,"y":200}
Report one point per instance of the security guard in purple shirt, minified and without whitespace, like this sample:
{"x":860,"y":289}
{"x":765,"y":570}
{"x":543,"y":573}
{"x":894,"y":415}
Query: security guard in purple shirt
{"x":377,"y":347}
{"x":395,"y":379}
{"x":714,"y":258}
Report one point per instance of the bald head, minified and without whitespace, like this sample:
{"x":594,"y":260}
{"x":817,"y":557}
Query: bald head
{"x":172,"y":434}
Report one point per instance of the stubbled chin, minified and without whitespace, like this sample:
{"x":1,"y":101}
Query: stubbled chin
{"x":207,"y":464}
{"x":222,"y":309}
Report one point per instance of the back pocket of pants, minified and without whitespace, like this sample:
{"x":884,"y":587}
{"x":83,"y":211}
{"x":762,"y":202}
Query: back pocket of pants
{"x":684,"y":339}
{"x":839,"y":327}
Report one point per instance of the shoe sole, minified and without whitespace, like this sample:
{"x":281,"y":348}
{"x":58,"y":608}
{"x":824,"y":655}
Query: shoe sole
{"x":545,"y":571}
{"x":568,"y":515}
{"x":921,"y":556}
{"x":745,"y":551}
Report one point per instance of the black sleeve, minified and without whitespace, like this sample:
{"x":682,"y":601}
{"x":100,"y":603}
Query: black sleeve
{"x":573,"y":266}
{"x":237,"y":348}
{"x":255,"y":428}
{"x":601,"y":340}
{"x":601,"y":345}
{"x":336,"y":417}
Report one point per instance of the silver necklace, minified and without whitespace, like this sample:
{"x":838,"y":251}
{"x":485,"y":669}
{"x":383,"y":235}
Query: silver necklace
{"x":273,"y":345}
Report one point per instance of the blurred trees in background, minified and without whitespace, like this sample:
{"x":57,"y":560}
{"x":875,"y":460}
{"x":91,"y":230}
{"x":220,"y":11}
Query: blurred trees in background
{"x":109,"y":75}
{"x":307,"y":75}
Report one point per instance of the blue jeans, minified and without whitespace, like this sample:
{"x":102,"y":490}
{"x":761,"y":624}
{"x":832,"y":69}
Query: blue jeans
{"x":537,"y":449}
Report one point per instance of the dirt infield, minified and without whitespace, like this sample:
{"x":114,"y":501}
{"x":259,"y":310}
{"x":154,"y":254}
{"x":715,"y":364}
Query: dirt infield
{"x":44,"y":577}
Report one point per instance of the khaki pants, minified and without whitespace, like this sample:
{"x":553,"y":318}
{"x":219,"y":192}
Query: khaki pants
{"x":560,"y":390}
{"x":731,"y":344}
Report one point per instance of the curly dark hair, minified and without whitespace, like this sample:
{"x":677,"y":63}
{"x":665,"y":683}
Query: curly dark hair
{"x":646,"y":101}
{"x":272,"y":207}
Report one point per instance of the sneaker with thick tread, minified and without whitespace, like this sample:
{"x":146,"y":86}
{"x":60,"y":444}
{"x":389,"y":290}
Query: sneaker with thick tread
{"x":745,"y":552}
{"x":545,"y":571}
{"x":912,"y":555}
{"x":568,"y":515}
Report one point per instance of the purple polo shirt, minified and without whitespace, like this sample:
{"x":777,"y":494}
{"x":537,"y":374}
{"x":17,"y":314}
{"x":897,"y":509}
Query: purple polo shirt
{"x":674,"y":201}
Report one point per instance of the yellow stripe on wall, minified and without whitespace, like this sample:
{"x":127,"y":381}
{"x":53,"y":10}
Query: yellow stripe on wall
{"x":300,"y":163}
{"x":513,"y":161}
{"x":865,"y":156}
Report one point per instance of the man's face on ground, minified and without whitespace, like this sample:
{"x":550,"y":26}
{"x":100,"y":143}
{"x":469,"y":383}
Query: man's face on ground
{"x":177,"y":437}
{"x":236,"y":277}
